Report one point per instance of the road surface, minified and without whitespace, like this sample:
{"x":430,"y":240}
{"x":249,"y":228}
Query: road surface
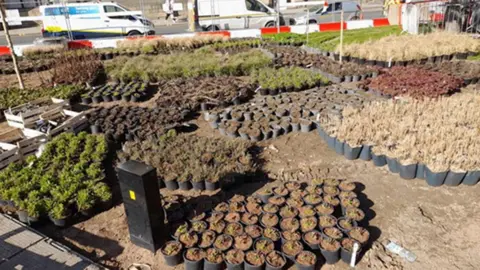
{"x":28,"y":35}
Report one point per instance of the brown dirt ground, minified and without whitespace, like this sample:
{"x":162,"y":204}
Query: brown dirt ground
{"x":440,"y":225}
{"x":30,"y":80}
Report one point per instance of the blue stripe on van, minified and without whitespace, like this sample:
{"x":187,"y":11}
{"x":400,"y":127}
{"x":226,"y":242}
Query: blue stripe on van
{"x":82,"y":35}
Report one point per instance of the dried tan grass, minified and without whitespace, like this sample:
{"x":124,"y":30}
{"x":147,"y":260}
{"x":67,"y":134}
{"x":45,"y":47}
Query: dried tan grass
{"x":175,"y":42}
{"x":410,"y":47}
{"x":443,"y":134}
{"x":42,"y":49}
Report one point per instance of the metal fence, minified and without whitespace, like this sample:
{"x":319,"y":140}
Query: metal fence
{"x":427,"y":16}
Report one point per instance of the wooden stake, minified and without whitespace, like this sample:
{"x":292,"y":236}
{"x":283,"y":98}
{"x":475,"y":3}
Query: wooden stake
{"x":341,"y":36}
{"x":10,"y":44}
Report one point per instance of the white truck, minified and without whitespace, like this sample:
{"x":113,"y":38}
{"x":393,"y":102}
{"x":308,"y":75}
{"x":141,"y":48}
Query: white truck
{"x":93,"y":20}
{"x":234,"y":14}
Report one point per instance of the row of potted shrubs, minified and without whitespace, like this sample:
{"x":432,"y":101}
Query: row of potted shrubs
{"x":132,"y":91}
{"x":290,"y":223}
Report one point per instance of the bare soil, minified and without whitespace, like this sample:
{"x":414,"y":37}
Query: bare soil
{"x":30,"y":80}
{"x":439,"y":224}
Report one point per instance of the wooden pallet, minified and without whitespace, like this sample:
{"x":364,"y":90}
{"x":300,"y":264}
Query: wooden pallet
{"x":10,"y":155}
{"x":76,"y":122}
{"x":27,"y":119}
{"x":27,"y":141}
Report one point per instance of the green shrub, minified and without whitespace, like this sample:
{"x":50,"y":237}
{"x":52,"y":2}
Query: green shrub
{"x":11,"y":97}
{"x":295,"y":77}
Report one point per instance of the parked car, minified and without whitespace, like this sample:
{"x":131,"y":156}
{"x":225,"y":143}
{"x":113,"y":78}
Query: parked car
{"x":91,"y":20}
{"x":235,"y":14}
{"x":330,"y":13}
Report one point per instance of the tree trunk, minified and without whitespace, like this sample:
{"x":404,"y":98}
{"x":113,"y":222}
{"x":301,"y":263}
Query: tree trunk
{"x":10,"y":44}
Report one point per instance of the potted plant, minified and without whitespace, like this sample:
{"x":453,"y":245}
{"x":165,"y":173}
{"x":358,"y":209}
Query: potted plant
{"x":207,"y":239}
{"x":347,"y":186}
{"x":291,"y":249}
{"x":307,"y":224}
{"x":318,"y":181}
{"x":217,"y":226}
{"x":254,"y":208}
{"x":269,"y":220}
{"x":333,"y":232}
{"x":254,"y":260}
{"x":222,"y":207}
{"x":312,"y":189}
{"x":346,"y":194}
{"x":270,"y":208}
{"x":264,"y":194}
{"x":223,"y":242}
{"x":290,"y":236}
{"x":171,"y":252}
{"x":306,"y":211}
{"x":59,"y":215}
{"x":237,"y":207}
{"x":305,"y":260}
{"x":237,"y":198}
{"x":232,"y":217}
{"x":188,"y":239}
{"x":277,"y":200}
{"x":312,"y":239}
{"x":331,"y":190}
{"x":213,"y":259}
{"x":234,"y":229}
{"x":249,"y":219}
{"x":216,"y":216}
{"x":291,"y":186}
{"x":296,"y":203}
{"x":275,"y":261}
{"x":85,"y":202}
{"x":199,"y":226}
{"x":329,"y":248}
{"x":193,"y":259}
{"x":252,"y":199}
{"x":324,"y":209}
{"x":346,"y":251}
{"x":289,"y":224}
{"x":254,"y":231}
{"x":234,"y":259}
{"x":264,"y":245}
{"x":360,"y":234}
{"x":281,"y":191}
{"x":313,"y":199}
{"x":332,"y":182}
{"x":354,"y":213}
{"x":288,"y":212}
{"x":272,"y":234}
{"x":326,"y":221}
{"x":180,"y":229}
{"x":243,"y":242}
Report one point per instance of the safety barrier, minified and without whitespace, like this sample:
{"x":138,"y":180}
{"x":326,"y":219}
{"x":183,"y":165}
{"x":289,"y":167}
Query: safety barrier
{"x":246,"y":33}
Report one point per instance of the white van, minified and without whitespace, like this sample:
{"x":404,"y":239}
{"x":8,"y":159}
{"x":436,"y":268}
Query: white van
{"x":93,"y":20}
{"x":234,"y":14}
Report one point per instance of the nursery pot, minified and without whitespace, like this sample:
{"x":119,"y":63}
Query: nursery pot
{"x":407,"y":171}
{"x":211,"y":186}
{"x":192,"y":265}
{"x":351,"y":153}
{"x":420,"y":174}
{"x":435,"y":179}
{"x":295,"y":127}
{"x":212,"y":266}
{"x":454,"y":178}
{"x":173,"y":260}
{"x":116,"y":97}
{"x":306,"y":127}
{"x":336,"y":56}
{"x":271,"y":267}
{"x":97,"y":99}
{"x":200,"y":185}
{"x":264,"y":197}
{"x":88,"y":212}
{"x":366,"y":153}
{"x":231,"y":266}
{"x":392,"y":164}
{"x":184,"y":185}
{"x":86,"y":100}
{"x":59,"y":222}
{"x":339,"y":146}
{"x":263,"y":91}
{"x":347,"y":78}
{"x":95,"y":129}
{"x":471,"y":178}
{"x":248,"y":266}
{"x":305,"y":267}
{"x":356,"y":78}
{"x":379,"y":160}
{"x":331,"y":257}
{"x":331,"y":141}
{"x":311,"y":246}
{"x":22,"y":216}
{"x":171,"y":185}
{"x":107,"y":98}
{"x":126,"y":98}
{"x":347,"y":255}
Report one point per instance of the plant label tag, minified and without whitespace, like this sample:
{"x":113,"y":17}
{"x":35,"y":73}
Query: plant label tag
{"x":132,"y":195}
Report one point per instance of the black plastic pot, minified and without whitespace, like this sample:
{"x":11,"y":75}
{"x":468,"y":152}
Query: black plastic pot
{"x":435,"y":179}
{"x":277,"y":131}
{"x":273,"y":92}
{"x":267,"y":134}
{"x":356,"y":78}
{"x":212,"y":266}
{"x":200,"y":185}
{"x":172,"y":260}
{"x":366,"y":153}
{"x":407,"y":171}
{"x":107,"y":98}
{"x":347,"y":78}
{"x":339,"y":146}
{"x":211,"y":186}
{"x":264,"y":91}
{"x":351,"y":153}
{"x":379,"y":160}
{"x":345,"y":231}
{"x":86,"y":100}
{"x":271,"y":267}
{"x":231,"y":266}
{"x":171,"y":185}
{"x":311,"y":246}
{"x":264,"y":197}
{"x":97,"y":99}
{"x":184,"y":185}
{"x":454,"y":178}
{"x":60,"y":222}
{"x":192,"y":265}
{"x":305,"y":267}
{"x":252,"y":267}
{"x":392,"y":164}
{"x":336,"y":56}
{"x":361,"y":61}
{"x":331,"y":257}
{"x":347,"y":255}
{"x":471,"y":178}
{"x":420,"y":174}
{"x":22,"y":216}
{"x":126,"y":98}
{"x":116,"y":97}
{"x":95,"y":129}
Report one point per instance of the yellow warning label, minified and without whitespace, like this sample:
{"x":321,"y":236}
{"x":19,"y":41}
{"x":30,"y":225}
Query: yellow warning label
{"x":132,"y":195}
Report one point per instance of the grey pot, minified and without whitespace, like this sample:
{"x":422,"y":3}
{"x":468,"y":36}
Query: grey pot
{"x":420,"y":174}
{"x":339,"y":147}
{"x":471,"y":178}
{"x":366,"y":153}
{"x":351,"y":153}
{"x":454,"y":178}
{"x":407,"y":171}
{"x":306,"y":128}
{"x":392,"y":165}
{"x":435,"y":179}
{"x":295,"y":127}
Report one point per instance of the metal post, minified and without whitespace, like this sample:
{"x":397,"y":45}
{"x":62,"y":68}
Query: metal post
{"x":308,"y":24}
{"x":67,"y":19}
{"x":278,"y":16}
{"x":10,"y":45}
{"x":143,"y":15}
{"x":341,"y":35}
